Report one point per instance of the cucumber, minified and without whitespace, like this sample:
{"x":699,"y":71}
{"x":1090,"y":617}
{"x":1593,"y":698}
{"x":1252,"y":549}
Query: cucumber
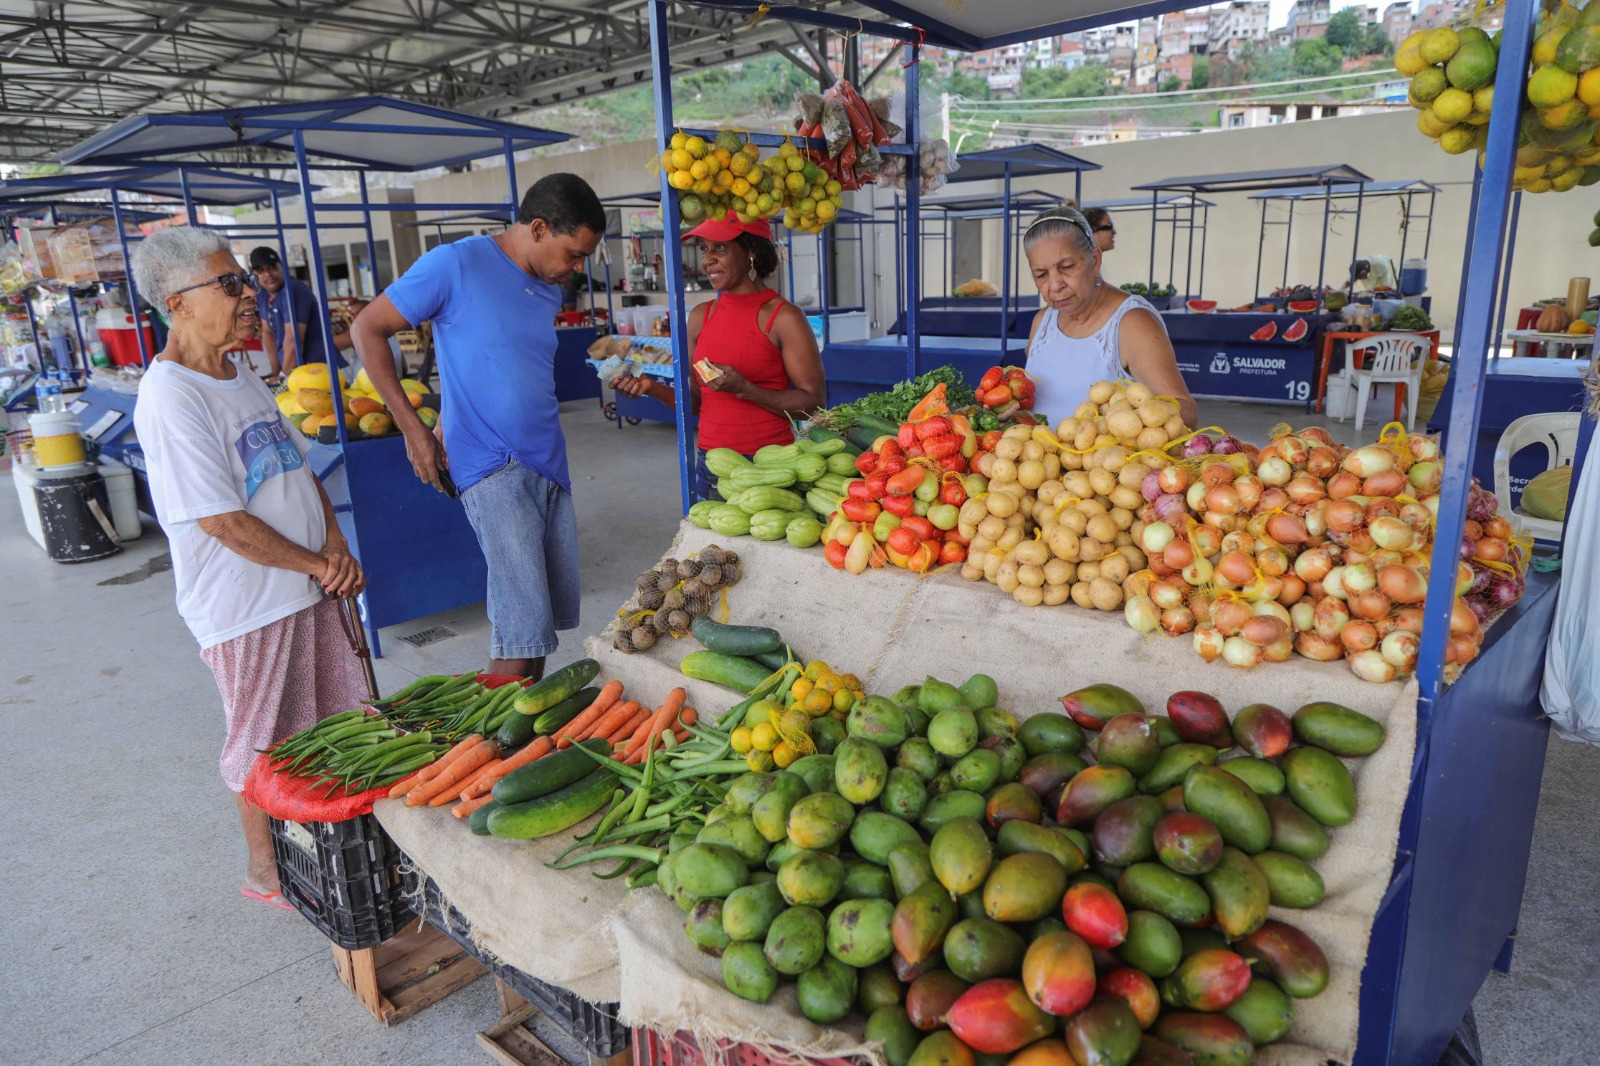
{"x":869,"y":428}
{"x":549,"y":774}
{"x":559,"y":810}
{"x":557,"y":687}
{"x":819,"y":434}
{"x":774,"y":660}
{"x":564,"y":712}
{"x":734,"y":640}
{"x":478,"y":821}
{"x":730,"y":671}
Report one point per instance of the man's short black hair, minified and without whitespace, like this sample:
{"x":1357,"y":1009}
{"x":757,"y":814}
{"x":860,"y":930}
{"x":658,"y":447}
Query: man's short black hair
{"x":565,"y":202}
{"x":763,"y":255}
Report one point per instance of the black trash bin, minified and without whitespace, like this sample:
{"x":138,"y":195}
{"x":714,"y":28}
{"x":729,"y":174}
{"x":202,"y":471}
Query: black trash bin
{"x":75,"y":516}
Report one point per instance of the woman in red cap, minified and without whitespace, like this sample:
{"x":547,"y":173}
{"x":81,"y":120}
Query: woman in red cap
{"x":767,"y":366}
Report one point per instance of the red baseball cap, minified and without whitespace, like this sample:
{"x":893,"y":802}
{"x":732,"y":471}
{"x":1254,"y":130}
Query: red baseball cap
{"x":728,"y":228}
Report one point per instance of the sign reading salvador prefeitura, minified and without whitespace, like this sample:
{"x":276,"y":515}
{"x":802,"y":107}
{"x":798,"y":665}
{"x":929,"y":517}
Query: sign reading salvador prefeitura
{"x":1283,"y":373}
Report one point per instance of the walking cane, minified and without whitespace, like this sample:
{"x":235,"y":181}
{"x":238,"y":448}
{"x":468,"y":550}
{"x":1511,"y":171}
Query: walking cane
{"x":350,"y":619}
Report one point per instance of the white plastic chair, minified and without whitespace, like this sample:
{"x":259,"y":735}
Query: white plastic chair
{"x":1559,"y":435}
{"x":1389,"y":357}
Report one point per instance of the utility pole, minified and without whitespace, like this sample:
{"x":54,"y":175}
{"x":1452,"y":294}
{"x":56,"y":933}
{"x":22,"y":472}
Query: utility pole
{"x":944,"y":115}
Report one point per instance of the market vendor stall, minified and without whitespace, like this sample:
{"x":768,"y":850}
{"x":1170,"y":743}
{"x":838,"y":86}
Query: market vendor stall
{"x":416,"y":545}
{"x":1177,"y":212}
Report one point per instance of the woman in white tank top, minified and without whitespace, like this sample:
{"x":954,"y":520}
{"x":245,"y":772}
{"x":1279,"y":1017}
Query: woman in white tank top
{"x":1089,"y":331}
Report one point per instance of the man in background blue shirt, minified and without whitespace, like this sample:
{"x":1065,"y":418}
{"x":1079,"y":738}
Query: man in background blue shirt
{"x":493,"y":303}
{"x":284,"y":300}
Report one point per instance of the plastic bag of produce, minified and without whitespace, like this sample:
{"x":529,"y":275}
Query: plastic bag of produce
{"x":1546,"y":494}
{"x":1571,"y":690}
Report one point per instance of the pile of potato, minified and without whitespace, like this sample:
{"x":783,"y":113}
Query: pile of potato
{"x":1059,"y":520}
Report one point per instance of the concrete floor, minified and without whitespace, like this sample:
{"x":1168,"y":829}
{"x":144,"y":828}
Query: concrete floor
{"x":125,"y":935}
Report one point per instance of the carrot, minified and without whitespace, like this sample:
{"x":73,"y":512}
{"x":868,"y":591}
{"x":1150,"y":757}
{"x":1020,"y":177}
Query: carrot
{"x":538,"y":748}
{"x":459,"y":770}
{"x":688,"y":716}
{"x":429,"y":772}
{"x":620,"y":736}
{"x":459,"y":789}
{"x":609,"y":722}
{"x":466,"y":807}
{"x":664,"y":714}
{"x":576,"y":729}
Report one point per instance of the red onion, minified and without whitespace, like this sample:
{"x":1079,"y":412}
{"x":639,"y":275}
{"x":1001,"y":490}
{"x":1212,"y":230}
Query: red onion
{"x":1480,"y":504}
{"x":1169,"y":505}
{"x":1150,"y":487}
{"x":1200,"y":445}
{"x":1225,"y":446}
{"x":1504,"y":591}
{"x":1480,"y":608}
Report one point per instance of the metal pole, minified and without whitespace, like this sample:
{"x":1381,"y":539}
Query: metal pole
{"x":1261,"y":250}
{"x":1405,"y":232}
{"x":319,"y":278}
{"x":372,"y":245}
{"x":1005,"y":266}
{"x":511,"y":178}
{"x":824,"y":261}
{"x":1355,"y":238}
{"x":188,"y":200}
{"x":1461,"y":294}
{"x":1155,"y":213}
{"x":913,"y":205}
{"x":1427,"y":242}
{"x":1327,"y":218}
{"x":1468,"y":373}
{"x":672,"y":248}
{"x":1205,"y":222}
{"x":1288,"y":240}
{"x":1505,"y":276}
{"x":899,"y":274}
{"x":133,"y":290}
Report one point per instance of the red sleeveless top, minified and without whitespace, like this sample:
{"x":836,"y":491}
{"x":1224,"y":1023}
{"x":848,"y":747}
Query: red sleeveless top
{"x":734,"y":333}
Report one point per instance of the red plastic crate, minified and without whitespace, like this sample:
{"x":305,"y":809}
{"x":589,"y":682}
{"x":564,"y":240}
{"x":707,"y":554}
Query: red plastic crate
{"x":651,"y":1048}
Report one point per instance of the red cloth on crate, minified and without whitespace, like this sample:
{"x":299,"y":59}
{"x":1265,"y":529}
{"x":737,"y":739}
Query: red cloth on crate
{"x":291,"y":799}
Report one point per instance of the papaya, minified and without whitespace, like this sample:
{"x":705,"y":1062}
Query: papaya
{"x":310,"y":376}
{"x":361,"y":406}
{"x":316,"y":401}
{"x":376,"y":424}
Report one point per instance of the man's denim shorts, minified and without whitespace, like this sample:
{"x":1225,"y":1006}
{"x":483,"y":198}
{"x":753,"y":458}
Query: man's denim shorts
{"x":528,"y":530}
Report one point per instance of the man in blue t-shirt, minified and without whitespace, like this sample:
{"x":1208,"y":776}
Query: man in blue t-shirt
{"x":493,"y":303}
{"x":286,"y":300}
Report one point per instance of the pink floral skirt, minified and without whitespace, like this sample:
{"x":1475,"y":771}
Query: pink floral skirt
{"x":280,"y":679}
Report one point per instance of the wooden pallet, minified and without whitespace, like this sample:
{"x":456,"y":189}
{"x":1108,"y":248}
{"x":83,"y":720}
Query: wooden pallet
{"x":511,"y":1042}
{"x":406,"y":973}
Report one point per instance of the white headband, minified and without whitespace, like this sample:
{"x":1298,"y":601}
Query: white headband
{"x":1062,"y":214}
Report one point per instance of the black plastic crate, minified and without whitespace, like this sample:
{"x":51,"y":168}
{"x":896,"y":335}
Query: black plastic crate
{"x":593,"y":1025}
{"x":344,"y":877}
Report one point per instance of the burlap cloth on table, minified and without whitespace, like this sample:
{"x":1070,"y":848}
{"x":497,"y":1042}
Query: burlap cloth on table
{"x":892,"y":629}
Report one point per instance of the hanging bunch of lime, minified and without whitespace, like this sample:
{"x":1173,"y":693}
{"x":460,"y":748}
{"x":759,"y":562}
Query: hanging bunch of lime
{"x":811,"y":200}
{"x":1452,"y":87}
{"x":716,"y":176}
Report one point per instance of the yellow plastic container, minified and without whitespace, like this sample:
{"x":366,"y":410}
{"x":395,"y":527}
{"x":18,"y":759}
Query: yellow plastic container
{"x":56,"y":439}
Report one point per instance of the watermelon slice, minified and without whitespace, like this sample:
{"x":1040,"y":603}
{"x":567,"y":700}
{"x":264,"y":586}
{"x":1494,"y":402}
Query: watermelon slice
{"x":1302,"y":307}
{"x":1201,"y":307}
{"x":1297,"y":331}
{"x":1266,"y":332}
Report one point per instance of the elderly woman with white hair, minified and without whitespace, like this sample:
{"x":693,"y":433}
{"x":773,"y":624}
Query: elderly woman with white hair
{"x":256,"y":551}
{"x":1090,"y":331}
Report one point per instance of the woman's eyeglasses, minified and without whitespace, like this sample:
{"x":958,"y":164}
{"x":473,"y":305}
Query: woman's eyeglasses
{"x":1108,"y":228}
{"x":232,"y":284}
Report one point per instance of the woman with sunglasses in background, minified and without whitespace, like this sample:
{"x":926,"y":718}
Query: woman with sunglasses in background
{"x":1090,"y":330}
{"x":256,"y":552}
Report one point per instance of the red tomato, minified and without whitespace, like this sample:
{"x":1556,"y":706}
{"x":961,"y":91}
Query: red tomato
{"x":915,"y":451}
{"x":900,"y":506}
{"x":998,"y":396}
{"x":859,"y":490}
{"x":941,"y":447}
{"x":892,"y":465}
{"x":902,"y":540}
{"x":956,"y":464}
{"x":987,"y":442}
{"x":952,"y":493}
{"x":835,"y":553}
{"x":1021,"y":388}
{"x":907,"y":435}
{"x":889,"y":446}
{"x":877,"y":485}
{"x":860,"y":510}
{"x":906,"y":481}
{"x":923,"y":559}
{"x":951,"y":552}
{"x":990,"y":379}
{"x":936,"y":426}
{"x":921,"y":527}
{"x":866,"y":463}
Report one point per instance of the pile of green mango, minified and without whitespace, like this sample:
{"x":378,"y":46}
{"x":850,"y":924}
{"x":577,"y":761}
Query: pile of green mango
{"x":1081,"y":888}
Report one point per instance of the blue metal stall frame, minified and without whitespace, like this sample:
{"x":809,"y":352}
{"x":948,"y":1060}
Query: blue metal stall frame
{"x":419,"y":552}
{"x":1404,"y":191}
{"x":1176,"y":210}
{"x":181,"y":188}
{"x":1451,"y":908}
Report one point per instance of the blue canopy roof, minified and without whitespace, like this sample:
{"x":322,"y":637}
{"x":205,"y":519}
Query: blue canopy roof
{"x":459,"y":217}
{"x":378,"y":132}
{"x":970,"y":27}
{"x":1025,"y":200}
{"x":1336,"y":192}
{"x":1024,"y":161}
{"x":1251,"y":180}
{"x":1142,"y":203}
{"x":205,"y":186}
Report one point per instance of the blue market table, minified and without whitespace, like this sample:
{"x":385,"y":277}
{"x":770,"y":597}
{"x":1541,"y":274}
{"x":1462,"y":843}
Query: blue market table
{"x":1219,"y":358}
{"x":856,"y":368}
{"x":971,"y":316}
{"x":1514,"y":387}
{"x":575,"y":380}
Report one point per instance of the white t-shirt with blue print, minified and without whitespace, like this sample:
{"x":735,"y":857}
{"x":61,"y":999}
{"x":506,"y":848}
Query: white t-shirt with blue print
{"x":212,"y":447}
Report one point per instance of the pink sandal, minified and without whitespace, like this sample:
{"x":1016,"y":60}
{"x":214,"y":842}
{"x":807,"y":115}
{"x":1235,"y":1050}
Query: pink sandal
{"x":274,"y":898}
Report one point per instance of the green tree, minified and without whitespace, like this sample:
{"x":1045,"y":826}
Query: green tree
{"x":1378,"y":43}
{"x":1050,"y":82}
{"x":1314,"y":58}
{"x":1169,"y":84}
{"x":1200,"y":74}
{"x":1346,"y":32}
